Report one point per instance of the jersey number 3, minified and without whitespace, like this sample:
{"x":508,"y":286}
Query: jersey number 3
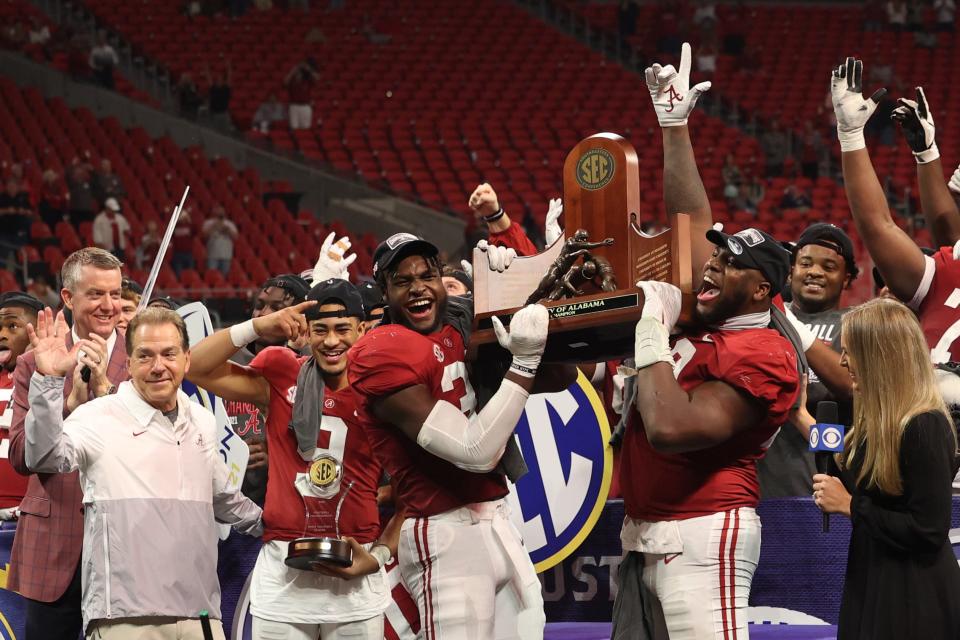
{"x":458,"y":371}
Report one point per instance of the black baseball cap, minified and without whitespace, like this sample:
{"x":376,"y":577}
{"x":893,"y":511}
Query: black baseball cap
{"x":461,"y":276}
{"x":372,"y":298}
{"x":291,"y":283}
{"x":331,"y":291}
{"x":758,"y":250}
{"x":20,"y":299}
{"x":397,"y":247}
{"x":832,"y":237}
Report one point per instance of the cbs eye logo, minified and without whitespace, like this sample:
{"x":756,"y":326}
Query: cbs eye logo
{"x":831,"y":437}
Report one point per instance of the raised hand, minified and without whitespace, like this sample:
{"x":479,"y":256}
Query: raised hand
{"x":916,"y":122}
{"x":526,"y":339}
{"x":673,"y":97}
{"x":286,"y":324}
{"x":49,"y":343}
{"x":852,"y":111}
{"x":552,"y":231}
{"x":333,"y":261}
{"x":483,"y":201}
{"x":498,"y":258}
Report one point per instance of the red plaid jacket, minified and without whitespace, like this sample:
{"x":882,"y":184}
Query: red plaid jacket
{"x":49,"y":538}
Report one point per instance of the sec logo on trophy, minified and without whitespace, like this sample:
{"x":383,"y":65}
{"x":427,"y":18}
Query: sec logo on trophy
{"x":563,"y":437}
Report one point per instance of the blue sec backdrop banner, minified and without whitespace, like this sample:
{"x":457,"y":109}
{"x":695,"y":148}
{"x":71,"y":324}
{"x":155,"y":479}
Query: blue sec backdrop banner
{"x":563,"y":437}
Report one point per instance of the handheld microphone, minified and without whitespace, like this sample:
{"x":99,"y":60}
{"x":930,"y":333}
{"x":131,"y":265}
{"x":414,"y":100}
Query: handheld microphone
{"x":826,"y":439}
{"x":85,"y":373}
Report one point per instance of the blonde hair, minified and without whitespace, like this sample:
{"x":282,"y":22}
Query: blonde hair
{"x":895,"y":382}
{"x":93,"y":256}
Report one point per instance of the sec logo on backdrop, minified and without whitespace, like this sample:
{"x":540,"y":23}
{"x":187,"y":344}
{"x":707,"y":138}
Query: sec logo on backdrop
{"x":563,"y":437}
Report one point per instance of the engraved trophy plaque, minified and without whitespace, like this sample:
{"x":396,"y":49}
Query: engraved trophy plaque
{"x":599,"y":260}
{"x":323,"y":492}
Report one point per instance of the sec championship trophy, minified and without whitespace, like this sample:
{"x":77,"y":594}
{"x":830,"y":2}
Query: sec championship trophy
{"x":587,"y":278}
{"x":323,"y":492}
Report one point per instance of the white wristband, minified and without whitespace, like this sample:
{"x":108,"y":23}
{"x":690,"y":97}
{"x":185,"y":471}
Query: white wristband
{"x":525,"y":366}
{"x":243,"y":334}
{"x":381,"y":552}
{"x":928,"y":155}
{"x":851,"y":140}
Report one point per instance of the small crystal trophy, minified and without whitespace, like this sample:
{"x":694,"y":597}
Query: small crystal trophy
{"x":323,"y":493}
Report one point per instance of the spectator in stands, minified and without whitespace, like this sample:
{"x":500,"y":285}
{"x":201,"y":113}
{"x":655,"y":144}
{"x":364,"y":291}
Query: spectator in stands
{"x":707,"y":59}
{"x":267,"y":113}
{"x":218,"y":95}
{"x":39,"y":33}
{"x":182,"y":243}
{"x":188,"y":96}
{"x":149,"y":246}
{"x":299,"y":84}
{"x":23,"y":183}
{"x":705,"y":15}
{"x":220,"y":234}
{"x":14,"y":36}
{"x":107,"y":184}
{"x":756,"y":191}
{"x":103,"y":59}
{"x":54,"y":198}
{"x":896,"y":11}
{"x":40,"y":288}
{"x":80,"y":184}
{"x":774,"y":143}
{"x":15,"y":214}
{"x":823,"y":266}
{"x":731,"y":172}
{"x":811,"y":150}
{"x":111,"y":231}
{"x":794,"y":198}
{"x":627,"y":13}
{"x":946,"y":11}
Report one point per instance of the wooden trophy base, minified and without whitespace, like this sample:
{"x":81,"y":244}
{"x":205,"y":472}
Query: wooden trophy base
{"x":303,"y":553}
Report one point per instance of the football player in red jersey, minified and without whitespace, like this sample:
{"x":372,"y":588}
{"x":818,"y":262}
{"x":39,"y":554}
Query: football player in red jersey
{"x":707,"y":404}
{"x":287,"y":603}
{"x":17,"y":310}
{"x":930,"y":285}
{"x":460,"y":557}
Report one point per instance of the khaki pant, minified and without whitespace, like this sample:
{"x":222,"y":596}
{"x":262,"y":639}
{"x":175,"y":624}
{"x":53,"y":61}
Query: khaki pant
{"x":152,"y":629}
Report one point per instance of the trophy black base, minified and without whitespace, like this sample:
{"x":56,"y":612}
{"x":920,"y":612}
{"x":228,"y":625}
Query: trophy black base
{"x":302,"y":553}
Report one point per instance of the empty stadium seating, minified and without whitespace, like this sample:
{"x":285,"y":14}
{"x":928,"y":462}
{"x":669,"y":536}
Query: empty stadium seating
{"x":46,"y":134}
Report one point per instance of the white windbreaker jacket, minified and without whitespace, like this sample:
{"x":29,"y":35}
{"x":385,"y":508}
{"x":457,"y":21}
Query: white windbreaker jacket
{"x":152,"y":495}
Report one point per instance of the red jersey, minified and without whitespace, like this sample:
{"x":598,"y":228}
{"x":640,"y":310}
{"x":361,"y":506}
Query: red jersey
{"x":659,"y":486}
{"x":937,"y":302}
{"x":391,"y":358}
{"x":12,"y":484}
{"x":514,"y":237}
{"x":284,"y":512}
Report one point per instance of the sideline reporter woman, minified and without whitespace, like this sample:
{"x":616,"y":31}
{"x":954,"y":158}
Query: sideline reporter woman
{"x":899,"y":459}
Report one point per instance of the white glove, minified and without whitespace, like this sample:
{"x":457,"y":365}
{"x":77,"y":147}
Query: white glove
{"x":807,"y":337}
{"x":498,"y":258}
{"x":526,"y":339}
{"x":852,"y":111}
{"x":552,"y":231}
{"x":467,"y":268}
{"x":954,"y":183}
{"x":333,"y":261}
{"x":661,"y":302}
{"x":651,"y":343}
{"x":916,"y":122}
{"x":673,"y":98}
